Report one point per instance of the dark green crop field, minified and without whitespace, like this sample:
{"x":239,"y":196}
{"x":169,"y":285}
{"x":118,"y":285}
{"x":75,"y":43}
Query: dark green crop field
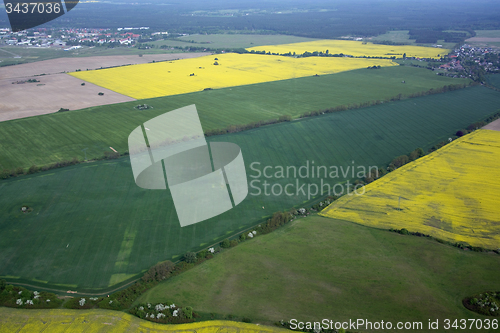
{"x":91,"y":227}
{"x":49,"y":138}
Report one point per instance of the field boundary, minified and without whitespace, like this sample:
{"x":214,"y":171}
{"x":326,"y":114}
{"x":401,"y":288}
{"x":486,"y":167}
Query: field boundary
{"x":16,"y":171}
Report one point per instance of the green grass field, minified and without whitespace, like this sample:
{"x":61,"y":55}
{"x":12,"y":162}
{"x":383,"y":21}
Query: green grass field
{"x":91,"y":227}
{"x":488,"y":33}
{"x":219,"y":41}
{"x":319,"y":268}
{"x":61,"y":136}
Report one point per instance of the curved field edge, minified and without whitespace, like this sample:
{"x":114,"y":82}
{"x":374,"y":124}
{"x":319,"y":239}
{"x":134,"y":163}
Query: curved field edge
{"x":183,"y":76}
{"x":449,"y":194}
{"x":59,"y":320}
{"x":316,"y":268}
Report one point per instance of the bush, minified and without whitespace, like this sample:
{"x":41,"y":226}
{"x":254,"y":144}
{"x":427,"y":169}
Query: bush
{"x":284,"y":118}
{"x":33,"y":169}
{"x":109,"y":155}
{"x":476,"y":125}
{"x":225,"y":243}
{"x":5,"y":174}
{"x":416,"y":154}
{"x":460,"y":133}
{"x":159,"y":272}
{"x":190,"y":257}
{"x":399,"y":162}
{"x":188,"y":312}
{"x":83,"y":302}
{"x":202,"y":254}
{"x":233,"y":243}
{"x":277,"y":220}
{"x":111,"y":304}
{"x":243,"y":237}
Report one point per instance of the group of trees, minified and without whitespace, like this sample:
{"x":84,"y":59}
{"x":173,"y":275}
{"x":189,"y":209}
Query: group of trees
{"x":277,"y":220}
{"x":405,"y":159}
{"x":16,"y":296}
{"x":159,"y":272}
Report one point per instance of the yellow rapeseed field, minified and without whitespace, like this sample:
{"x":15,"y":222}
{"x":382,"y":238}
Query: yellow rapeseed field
{"x":196,"y":74}
{"x":451,"y":194}
{"x":354,"y":48}
{"x":90,"y":321}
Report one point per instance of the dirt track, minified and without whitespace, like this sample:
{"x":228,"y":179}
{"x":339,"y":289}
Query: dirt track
{"x":58,"y":90}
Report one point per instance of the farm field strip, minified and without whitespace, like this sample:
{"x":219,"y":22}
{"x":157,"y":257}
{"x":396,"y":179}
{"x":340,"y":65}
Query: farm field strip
{"x":450,"y":194}
{"x":190,"y":75}
{"x":354,"y":48}
{"x":62,"y":136}
{"x":96,"y":209}
{"x":59,"y":320}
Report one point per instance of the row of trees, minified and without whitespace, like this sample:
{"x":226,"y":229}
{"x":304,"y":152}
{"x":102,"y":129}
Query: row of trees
{"x":255,"y":124}
{"x":405,"y":159}
{"x":9,"y":173}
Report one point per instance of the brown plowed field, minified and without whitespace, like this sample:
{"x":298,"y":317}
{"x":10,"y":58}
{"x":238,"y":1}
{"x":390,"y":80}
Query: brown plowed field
{"x":58,"y":90}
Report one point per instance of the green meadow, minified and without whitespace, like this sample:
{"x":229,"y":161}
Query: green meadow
{"x":316,"y":268}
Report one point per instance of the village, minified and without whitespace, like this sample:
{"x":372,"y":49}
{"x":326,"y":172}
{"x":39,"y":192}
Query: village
{"x":472,"y":62}
{"x":70,"y":38}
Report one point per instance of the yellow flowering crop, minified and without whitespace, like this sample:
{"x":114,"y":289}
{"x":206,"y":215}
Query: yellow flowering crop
{"x":451,"y":194}
{"x":196,"y":74}
{"x":354,"y":48}
{"x":68,"y":321}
